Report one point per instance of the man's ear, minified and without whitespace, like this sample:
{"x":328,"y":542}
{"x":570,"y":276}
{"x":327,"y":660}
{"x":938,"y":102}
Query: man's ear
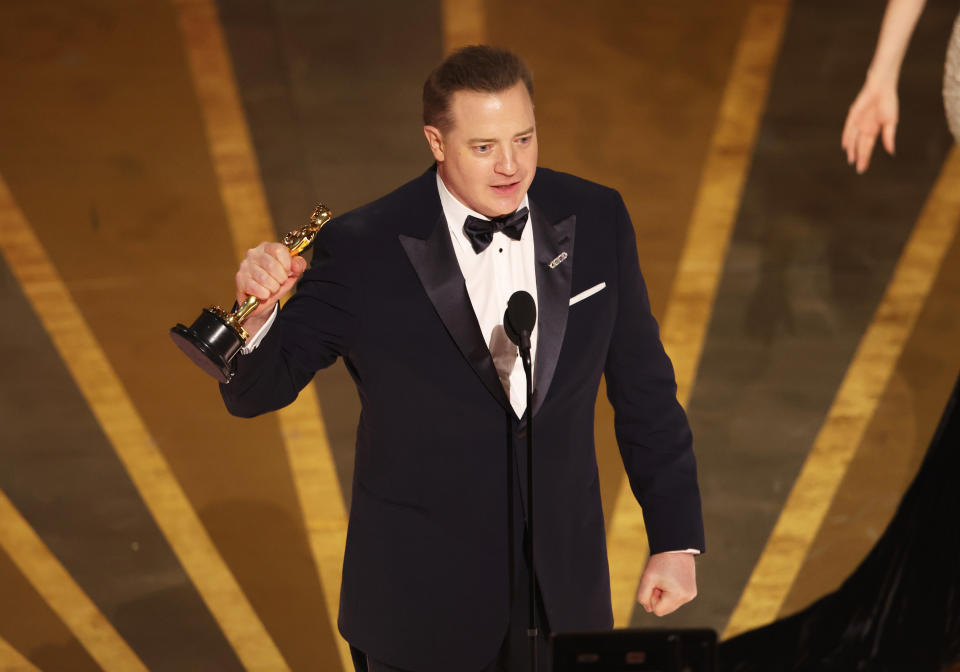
{"x":435,"y":140}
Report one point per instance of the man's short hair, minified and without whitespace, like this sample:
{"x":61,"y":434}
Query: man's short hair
{"x":475,"y":68}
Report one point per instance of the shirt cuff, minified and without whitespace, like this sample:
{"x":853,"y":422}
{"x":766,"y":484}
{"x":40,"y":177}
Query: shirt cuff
{"x":691,"y":551}
{"x":254,"y":341}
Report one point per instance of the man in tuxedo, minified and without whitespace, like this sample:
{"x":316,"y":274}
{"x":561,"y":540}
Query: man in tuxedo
{"x":410,"y":291}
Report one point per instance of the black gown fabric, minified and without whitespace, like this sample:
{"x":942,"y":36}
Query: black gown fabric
{"x":900,"y":609}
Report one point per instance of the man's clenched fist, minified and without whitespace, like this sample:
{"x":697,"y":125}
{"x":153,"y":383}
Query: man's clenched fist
{"x":668,"y":582}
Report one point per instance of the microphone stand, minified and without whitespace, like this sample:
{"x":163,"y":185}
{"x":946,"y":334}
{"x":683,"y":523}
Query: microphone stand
{"x":518,"y":321}
{"x":532,"y":630}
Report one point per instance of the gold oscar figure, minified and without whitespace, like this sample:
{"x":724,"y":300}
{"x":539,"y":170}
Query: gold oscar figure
{"x":215,"y":338}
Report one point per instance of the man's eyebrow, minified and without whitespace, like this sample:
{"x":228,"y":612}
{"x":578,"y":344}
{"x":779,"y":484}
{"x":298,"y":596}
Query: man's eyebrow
{"x":490,"y":141}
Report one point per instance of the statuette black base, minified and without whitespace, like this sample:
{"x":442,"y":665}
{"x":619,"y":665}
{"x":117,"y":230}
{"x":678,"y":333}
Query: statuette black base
{"x":210,"y":342}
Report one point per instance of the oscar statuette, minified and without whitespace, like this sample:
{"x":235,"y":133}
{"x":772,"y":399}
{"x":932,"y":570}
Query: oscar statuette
{"x":214,"y":339}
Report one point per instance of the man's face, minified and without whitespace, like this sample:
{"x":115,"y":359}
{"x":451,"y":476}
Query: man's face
{"x":488,"y":156}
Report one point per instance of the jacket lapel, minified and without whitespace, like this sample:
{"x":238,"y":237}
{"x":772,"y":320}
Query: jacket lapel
{"x":552,"y":240}
{"x":436,"y":265}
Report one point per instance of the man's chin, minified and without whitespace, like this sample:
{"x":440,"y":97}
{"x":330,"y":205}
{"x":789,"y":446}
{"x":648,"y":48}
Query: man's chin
{"x":505,"y":207}
{"x":503,"y":212}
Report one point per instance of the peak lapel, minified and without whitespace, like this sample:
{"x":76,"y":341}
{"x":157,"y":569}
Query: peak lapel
{"x":436,"y":265}
{"x":551,"y":241}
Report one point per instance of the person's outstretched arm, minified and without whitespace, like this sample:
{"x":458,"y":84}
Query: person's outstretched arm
{"x":876,"y":108}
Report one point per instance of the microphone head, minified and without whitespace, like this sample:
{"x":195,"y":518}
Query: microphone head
{"x":520,"y":316}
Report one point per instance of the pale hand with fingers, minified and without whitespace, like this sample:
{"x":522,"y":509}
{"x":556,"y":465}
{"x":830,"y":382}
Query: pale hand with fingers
{"x":669,"y":581}
{"x":874,"y":112}
{"x":268,"y":272}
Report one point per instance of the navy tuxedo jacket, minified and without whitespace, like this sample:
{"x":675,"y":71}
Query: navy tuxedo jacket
{"x":440,"y":455}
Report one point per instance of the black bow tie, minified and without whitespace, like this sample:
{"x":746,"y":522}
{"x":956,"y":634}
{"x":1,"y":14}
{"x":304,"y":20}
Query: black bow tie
{"x":480,"y":231}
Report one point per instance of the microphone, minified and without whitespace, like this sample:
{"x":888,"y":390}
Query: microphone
{"x":518,"y":320}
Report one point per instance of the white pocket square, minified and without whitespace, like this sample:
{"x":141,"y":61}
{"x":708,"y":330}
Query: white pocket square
{"x":587,"y":293}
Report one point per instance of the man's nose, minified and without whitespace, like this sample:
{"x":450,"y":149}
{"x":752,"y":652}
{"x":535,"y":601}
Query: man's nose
{"x":506,"y":162}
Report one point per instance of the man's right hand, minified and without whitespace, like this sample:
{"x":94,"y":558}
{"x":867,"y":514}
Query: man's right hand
{"x":268,"y":272}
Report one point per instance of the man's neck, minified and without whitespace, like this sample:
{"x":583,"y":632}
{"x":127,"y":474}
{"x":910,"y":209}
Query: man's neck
{"x":449,"y":192}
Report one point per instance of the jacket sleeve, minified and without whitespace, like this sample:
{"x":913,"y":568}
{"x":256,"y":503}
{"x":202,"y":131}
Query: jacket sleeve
{"x":652,"y":431}
{"x":318,"y":324}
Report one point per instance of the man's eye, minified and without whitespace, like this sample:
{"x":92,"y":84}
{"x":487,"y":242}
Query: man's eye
{"x":482,"y":148}
{"x":525,"y":140}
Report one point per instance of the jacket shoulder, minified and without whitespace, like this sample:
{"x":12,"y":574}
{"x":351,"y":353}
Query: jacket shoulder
{"x":559,"y":186}
{"x":390,"y":214}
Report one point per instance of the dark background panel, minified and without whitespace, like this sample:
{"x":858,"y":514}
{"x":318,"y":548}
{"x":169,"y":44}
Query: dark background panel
{"x":62,"y":474}
{"x":29,"y":625}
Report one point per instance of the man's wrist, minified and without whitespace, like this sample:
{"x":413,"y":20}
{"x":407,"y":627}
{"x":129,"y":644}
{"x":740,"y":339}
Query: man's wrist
{"x":253,"y":341}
